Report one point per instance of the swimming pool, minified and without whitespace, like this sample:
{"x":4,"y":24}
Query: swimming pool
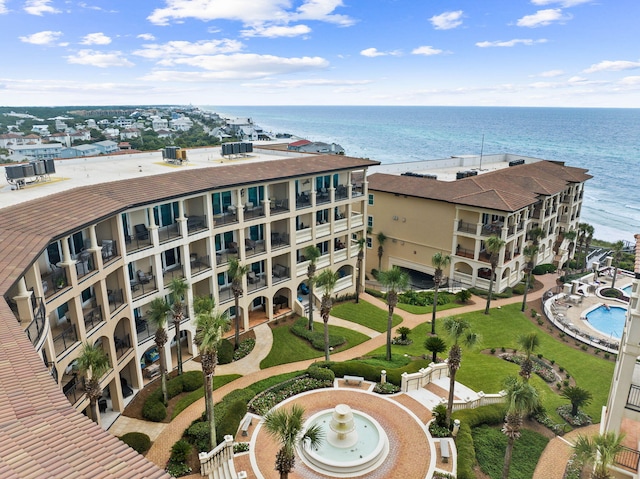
{"x":609,"y":322}
{"x":627,"y":289}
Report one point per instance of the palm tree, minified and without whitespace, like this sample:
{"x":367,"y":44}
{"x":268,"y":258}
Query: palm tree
{"x":599,"y":451}
{"x":522,"y":399}
{"x":528,"y":342}
{"x":535,"y":234}
{"x":93,"y":363}
{"x":210,"y":326}
{"x":381,"y":239}
{"x":582,"y":237}
{"x":589,"y":230}
{"x":493,"y":245}
{"x":530,"y":253}
{"x":178,"y":289}
{"x":237,"y":273}
{"x":578,"y":397}
{"x":394,"y":280}
{"x":459,"y":331}
{"x":571,"y":235}
{"x":158,"y":310}
{"x":618,"y":249}
{"x":286,"y":426}
{"x":327,"y":282}
{"x":439,"y":262}
{"x":311,"y":253}
{"x":361,"y":242}
{"x":436,"y":345}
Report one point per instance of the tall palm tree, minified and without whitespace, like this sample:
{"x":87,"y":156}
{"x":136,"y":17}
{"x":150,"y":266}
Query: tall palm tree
{"x":439,"y":262}
{"x":618,"y":249}
{"x":589,"y":230}
{"x":394,"y":280}
{"x":521,"y":399}
{"x":93,"y":363}
{"x":237,"y":272}
{"x":326,"y":280}
{"x":493,"y":245}
{"x":459,"y":331}
{"x":381,"y":239}
{"x":311,"y":253}
{"x":178,"y":289}
{"x":361,"y":242}
{"x":530,"y":253}
{"x":528,"y":342}
{"x":535,"y":234}
{"x":158,"y":310}
{"x":599,"y":451}
{"x":210,"y":326}
{"x":582,"y":236}
{"x":286,"y":426}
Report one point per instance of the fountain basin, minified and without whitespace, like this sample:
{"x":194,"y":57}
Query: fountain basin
{"x":363,"y":450}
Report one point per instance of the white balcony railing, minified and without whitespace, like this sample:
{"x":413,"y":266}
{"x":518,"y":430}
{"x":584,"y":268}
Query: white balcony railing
{"x":357,"y":219}
{"x":340,"y":225}
{"x":344,"y":283}
{"x":323,"y":230}
{"x":303,"y":235}
{"x":340,"y":255}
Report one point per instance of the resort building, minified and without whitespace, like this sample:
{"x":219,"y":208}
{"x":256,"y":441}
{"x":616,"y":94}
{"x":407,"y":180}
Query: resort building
{"x":82,"y":256}
{"x":622,"y":413}
{"x":453,"y":209}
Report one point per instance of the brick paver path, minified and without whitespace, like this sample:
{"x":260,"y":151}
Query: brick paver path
{"x":160,"y":450}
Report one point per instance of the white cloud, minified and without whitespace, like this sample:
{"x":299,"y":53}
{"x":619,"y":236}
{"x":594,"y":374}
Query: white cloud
{"x":612,"y":66}
{"x":447,"y":20}
{"x":237,"y":66}
{"x":543,"y":18}
{"x":551,"y":73}
{"x":95,"y":7}
{"x":46,"y":37}
{"x":176,"y":49}
{"x":632,"y":80}
{"x":99,"y":59}
{"x":308,"y":82}
{"x":373,"y":52}
{"x":426,"y":50}
{"x":96,"y":39}
{"x":577,"y":79}
{"x":562,"y":3}
{"x":276,"y":31}
{"x":39,"y":7}
{"x":146,"y":36}
{"x":3,"y":7}
{"x":249,"y":12}
{"x":510,"y":43}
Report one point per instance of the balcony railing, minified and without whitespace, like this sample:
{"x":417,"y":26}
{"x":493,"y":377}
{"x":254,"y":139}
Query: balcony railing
{"x":253,"y":211}
{"x":464,"y":252}
{"x":629,"y":458}
{"x":92,"y":318}
{"x":279,"y":240}
{"x":357,"y":219}
{"x":323,"y":229}
{"x":36,"y":327}
{"x":466,"y":227}
{"x":144,"y":329}
{"x":116,"y":299}
{"x":340,"y":224}
{"x":123,"y":344}
{"x":196,"y":223}
{"x":280,"y":273}
{"x":279,"y":206}
{"x":222,"y":257}
{"x":74,"y":389}
{"x":169,"y":232}
{"x":254,"y":247}
{"x":258,"y":282}
{"x":341,"y":192}
{"x":85,"y":264}
{"x":225,"y":294}
{"x":229,"y":217}
{"x":176,"y":271}
{"x":303,"y":235}
{"x":55,"y":282}
{"x":109,"y":250}
{"x":357,"y":190}
{"x":511,"y":230}
{"x":143,"y":287}
{"x":138,"y":242}
{"x":633,"y":400}
{"x":65,"y":339}
{"x":200,"y":263}
{"x":303,"y":200}
{"x":322,"y":196}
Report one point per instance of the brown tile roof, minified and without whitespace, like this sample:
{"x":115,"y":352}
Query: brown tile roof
{"x":41,"y":435}
{"x":508,"y":189}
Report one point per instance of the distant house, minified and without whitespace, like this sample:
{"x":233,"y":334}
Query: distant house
{"x":129,"y":133}
{"x":124,"y":145}
{"x":320,"y":147}
{"x":181,"y":124}
{"x":42,"y":130}
{"x":106,"y":146}
{"x":60,"y":137}
{"x":159,"y":124}
{"x":162,"y":133}
{"x":296,"y":145}
{"x":122,"y":122}
{"x":80,"y":151}
{"x":37,"y":152}
{"x":12,"y":139}
{"x":80,"y":135}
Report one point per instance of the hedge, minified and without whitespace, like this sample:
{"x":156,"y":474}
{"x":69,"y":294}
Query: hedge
{"x":154,"y":409}
{"x":225,"y":352}
{"x":544,"y":269}
{"x":198,"y":435}
{"x":231,"y":421}
{"x":316,"y":338}
{"x":137,"y":441}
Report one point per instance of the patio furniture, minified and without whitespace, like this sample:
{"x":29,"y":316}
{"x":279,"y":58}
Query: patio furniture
{"x":143,"y":278}
{"x":102,"y":405}
{"x":126,"y":389}
{"x":249,"y":244}
{"x":107,"y":249}
{"x":142,"y":233}
{"x":252,"y":277}
{"x":280,"y":271}
{"x":232,"y":247}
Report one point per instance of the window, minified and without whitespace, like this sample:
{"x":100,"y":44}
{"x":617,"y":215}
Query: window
{"x":369,"y":242}
{"x":370,"y":199}
{"x":221,"y":202}
{"x":369,"y":221}
{"x":164,"y":214}
{"x":323,"y":247}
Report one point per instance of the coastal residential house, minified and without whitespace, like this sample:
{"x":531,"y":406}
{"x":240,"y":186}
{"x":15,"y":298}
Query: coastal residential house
{"x":37,"y":152}
{"x":164,"y":133}
{"x":129,"y":133}
{"x":622,"y":414}
{"x":296,"y":145}
{"x":421,"y":216}
{"x":80,"y":135}
{"x":18,"y":139}
{"x":79,"y":151}
{"x":82,"y":262}
{"x":159,"y":123}
{"x":322,"y":148}
{"x":60,"y":137}
{"x":107,"y":146}
{"x":181,"y":124}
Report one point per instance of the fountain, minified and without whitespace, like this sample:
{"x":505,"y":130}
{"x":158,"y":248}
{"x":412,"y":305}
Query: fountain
{"x":354,"y":443}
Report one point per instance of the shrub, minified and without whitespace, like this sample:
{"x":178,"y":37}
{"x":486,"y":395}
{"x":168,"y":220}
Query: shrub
{"x":154,"y":410}
{"x":263,"y":402}
{"x":137,"y":441}
{"x":374,"y":292}
{"x":403,"y":331}
{"x":231,"y":420}
{"x":322,"y":374}
{"x":225,"y":352}
{"x":544,"y":269}
{"x":246,"y":346}
{"x":463,"y":296}
{"x":440,"y":415}
{"x":607,"y":355}
{"x":177,"y":461}
{"x":438,"y":431}
{"x":244,"y":395}
{"x":386,"y":388}
{"x":239,"y":447}
{"x":174,"y":387}
{"x":198,"y":435}
{"x":192,"y":380}
{"x":493,"y":350}
{"x":316,"y":338}
{"x":534,"y":313}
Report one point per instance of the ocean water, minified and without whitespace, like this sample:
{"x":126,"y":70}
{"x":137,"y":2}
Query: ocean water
{"x":605,"y":141}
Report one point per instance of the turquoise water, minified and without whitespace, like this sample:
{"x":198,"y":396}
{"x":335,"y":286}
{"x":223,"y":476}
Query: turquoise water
{"x":627,"y":290}
{"x":604,"y":140}
{"x":609,"y":322}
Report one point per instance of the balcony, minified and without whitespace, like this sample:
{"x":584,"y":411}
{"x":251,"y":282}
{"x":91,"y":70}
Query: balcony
{"x":169,"y":232}
{"x":340,"y":255}
{"x":279,"y":206}
{"x":536,"y":214}
{"x":303,"y":235}
{"x":465,"y":227}
{"x":511,"y":230}
{"x":491,"y":229}
{"x":55,"y":282}
{"x":344,"y":283}
{"x":323,"y":229}
{"x":301,"y":268}
{"x":85,"y":264}
{"x":279,"y":240}
{"x":225,"y":294}
{"x":322,"y":196}
{"x":143,"y":285}
{"x":175,"y":271}
{"x":36,"y":327}
{"x":280,"y":273}
{"x":256,"y":281}
{"x":199,"y":264}
{"x":64,"y":340}
{"x":116,"y":299}
{"x":229,"y":217}
{"x":303,"y":200}
{"x":138,"y":242}
{"x":253,"y":247}
{"x":357,"y":219}
{"x":74,"y":388}
{"x":465,"y":253}
{"x":342,"y":192}
{"x":123,"y":345}
{"x":628,"y":458}
{"x":222,"y":257}
{"x":633,"y":399}
{"x":144,"y":330}
{"x":109,"y":251}
{"x":357,"y":190}
{"x":92,"y":318}
{"x":252,"y":211}
{"x":196,"y":224}
{"x":340,"y":225}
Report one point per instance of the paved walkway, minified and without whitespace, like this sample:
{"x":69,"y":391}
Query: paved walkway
{"x":249,"y":367}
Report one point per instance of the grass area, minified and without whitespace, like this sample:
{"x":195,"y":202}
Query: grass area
{"x":289,"y":348}
{"x":484,"y":372}
{"x":490,"y":444}
{"x":410,"y":308}
{"x":365,"y":314}
{"x":188,"y":399}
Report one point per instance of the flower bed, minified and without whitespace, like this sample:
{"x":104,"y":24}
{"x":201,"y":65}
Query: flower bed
{"x":265,"y":401}
{"x":545,"y":372}
{"x":580,"y":420}
{"x":245,"y":347}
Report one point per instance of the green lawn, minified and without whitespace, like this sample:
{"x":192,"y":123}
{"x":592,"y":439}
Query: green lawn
{"x":193,"y":396}
{"x":410,"y":308}
{"x":289,"y":348}
{"x":484,"y":372}
{"x":365,"y":314}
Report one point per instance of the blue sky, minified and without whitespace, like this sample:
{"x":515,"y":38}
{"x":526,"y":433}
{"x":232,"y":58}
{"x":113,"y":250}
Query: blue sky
{"x":577,"y":53}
